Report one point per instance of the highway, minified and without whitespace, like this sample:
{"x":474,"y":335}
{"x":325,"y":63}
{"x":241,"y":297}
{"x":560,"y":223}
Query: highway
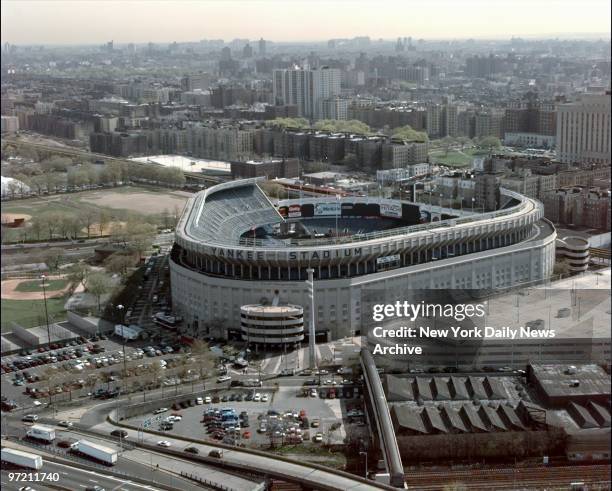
{"x":73,"y":479}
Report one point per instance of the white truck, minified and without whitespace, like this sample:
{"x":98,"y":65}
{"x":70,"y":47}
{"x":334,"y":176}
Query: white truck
{"x":39,"y":432}
{"x":22,"y":459}
{"x":97,"y":452}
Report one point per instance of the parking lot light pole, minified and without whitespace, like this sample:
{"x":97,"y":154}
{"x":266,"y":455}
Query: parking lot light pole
{"x":120,"y":309}
{"x":43,"y":278}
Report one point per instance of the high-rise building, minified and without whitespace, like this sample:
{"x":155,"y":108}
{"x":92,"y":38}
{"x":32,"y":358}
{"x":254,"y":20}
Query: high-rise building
{"x":335,"y":108}
{"x":262,"y":47}
{"x":10,"y":124}
{"x":307,"y":89}
{"x":583,"y":129}
{"x":247,"y":51}
{"x":199,"y":81}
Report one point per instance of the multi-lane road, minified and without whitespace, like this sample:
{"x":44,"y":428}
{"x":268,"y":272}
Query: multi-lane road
{"x":61,"y":476}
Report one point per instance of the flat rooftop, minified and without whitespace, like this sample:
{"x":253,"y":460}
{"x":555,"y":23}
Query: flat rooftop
{"x":558,"y":380}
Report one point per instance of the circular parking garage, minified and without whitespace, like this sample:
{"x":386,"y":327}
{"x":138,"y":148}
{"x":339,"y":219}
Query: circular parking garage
{"x":272,"y":326}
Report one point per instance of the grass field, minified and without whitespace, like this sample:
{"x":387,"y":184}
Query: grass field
{"x":120,"y":203}
{"x":31,"y":313}
{"x":36,"y":285}
{"x":455,"y":158}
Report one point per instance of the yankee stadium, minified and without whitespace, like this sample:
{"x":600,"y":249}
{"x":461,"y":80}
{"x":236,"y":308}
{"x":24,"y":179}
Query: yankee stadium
{"x":234,"y":248}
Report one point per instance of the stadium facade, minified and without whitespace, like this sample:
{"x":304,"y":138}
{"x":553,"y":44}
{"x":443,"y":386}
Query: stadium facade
{"x":234,"y":247}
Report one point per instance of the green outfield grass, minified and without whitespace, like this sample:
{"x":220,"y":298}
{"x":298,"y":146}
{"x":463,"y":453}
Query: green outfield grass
{"x":36,"y":285}
{"x":31,"y":313}
{"x":455,"y":158}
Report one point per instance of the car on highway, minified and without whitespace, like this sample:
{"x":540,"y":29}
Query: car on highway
{"x":217,"y":454}
{"x":164,"y":443}
{"x":225,"y":378}
{"x":30,"y":418}
{"x":192,"y":450}
{"x":119,"y":433}
{"x":65,"y":424}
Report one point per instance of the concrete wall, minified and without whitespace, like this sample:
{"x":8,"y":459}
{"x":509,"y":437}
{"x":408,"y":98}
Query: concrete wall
{"x":90,"y":325}
{"x":29,"y":338}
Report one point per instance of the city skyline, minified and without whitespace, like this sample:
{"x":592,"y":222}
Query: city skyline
{"x":68,"y":22}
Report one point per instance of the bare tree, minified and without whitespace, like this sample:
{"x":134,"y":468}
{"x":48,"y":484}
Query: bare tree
{"x":203,"y":359}
{"x":98,"y":284}
{"x":53,"y":256}
{"x":104,"y":219}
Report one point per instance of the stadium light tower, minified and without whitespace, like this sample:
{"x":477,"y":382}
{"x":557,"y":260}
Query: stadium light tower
{"x":311,"y":324}
{"x":43,"y":277}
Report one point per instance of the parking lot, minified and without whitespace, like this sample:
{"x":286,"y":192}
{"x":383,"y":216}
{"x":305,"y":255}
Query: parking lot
{"x":264,"y":417}
{"x":85,"y":367}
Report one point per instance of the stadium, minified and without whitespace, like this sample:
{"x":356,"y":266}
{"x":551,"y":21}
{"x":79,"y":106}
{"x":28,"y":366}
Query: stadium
{"x":235,"y":248}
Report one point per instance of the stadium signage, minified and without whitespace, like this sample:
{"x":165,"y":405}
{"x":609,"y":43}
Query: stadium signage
{"x":291,"y":255}
{"x":322,"y":209}
{"x":390,"y":210}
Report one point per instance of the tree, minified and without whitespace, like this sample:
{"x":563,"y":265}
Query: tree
{"x":407,"y":133}
{"x":53,"y":257}
{"x":104,"y":218}
{"x":447,"y":142}
{"x":463,"y":141}
{"x":37,"y":226}
{"x":91,"y":381}
{"x":56,"y":164}
{"x":272,"y":189}
{"x":119,"y":263}
{"x":88,"y":217}
{"x":52,"y":221}
{"x":341,"y":126}
{"x":289,"y":123}
{"x":203,"y":358}
{"x":489,"y":142}
{"x":78,"y":272}
{"x":98,"y":284}
{"x":73,"y":224}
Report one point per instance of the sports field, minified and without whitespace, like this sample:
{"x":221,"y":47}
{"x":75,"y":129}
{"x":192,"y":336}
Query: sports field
{"x":119,"y":201}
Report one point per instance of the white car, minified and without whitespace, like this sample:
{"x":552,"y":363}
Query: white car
{"x":318,"y":438}
{"x":160,"y":410}
{"x":265,"y":398}
{"x":164,"y":443}
{"x":65,"y":424}
{"x":208,"y":400}
{"x":313,"y":392}
{"x":37,"y":403}
{"x":225,"y":378}
{"x":257,"y":397}
{"x":199,"y":401}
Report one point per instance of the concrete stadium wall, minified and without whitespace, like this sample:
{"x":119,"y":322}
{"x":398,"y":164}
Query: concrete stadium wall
{"x":88,"y":325}
{"x":25,"y":335}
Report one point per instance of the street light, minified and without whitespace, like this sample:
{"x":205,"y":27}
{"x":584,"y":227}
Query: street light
{"x":366,"y":462}
{"x":120,"y":309}
{"x":43,"y":278}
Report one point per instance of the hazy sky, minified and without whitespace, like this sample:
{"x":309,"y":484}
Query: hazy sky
{"x":96,"y":21}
